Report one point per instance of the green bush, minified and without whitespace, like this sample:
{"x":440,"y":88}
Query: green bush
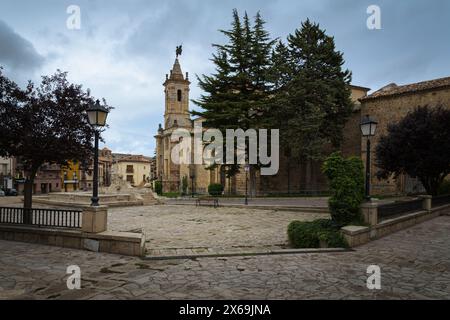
{"x":158,"y":187}
{"x":215,"y":189}
{"x":309,"y":234}
{"x":184,"y":185}
{"x":171,"y":194}
{"x":346,"y":179}
{"x":444,"y":188}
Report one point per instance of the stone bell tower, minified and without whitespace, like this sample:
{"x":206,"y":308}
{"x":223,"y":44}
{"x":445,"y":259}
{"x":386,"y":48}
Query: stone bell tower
{"x":176,"y":115}
{"x":176,"y":89}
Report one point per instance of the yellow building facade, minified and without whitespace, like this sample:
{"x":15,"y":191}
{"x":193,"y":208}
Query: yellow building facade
{"x":70,"y":177}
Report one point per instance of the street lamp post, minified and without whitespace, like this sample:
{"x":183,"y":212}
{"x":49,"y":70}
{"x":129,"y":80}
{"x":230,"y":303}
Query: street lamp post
{"x":192,"y":176}
{"x":247,"y":169}
{"x":368,"y":128}
{"x":97,"y":115}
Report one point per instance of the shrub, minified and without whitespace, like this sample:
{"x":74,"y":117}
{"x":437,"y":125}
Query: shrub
{"x":215,"y":189}
{"x":184,"y":185}
{"x":347,"y":188}
{"x":444,"y":188}
{"x":158,"y":187}
{"x":307,"y":234}
{"x":171,"y":194}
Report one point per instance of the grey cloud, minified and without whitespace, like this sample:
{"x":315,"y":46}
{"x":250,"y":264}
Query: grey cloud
{"x":17,"y":52}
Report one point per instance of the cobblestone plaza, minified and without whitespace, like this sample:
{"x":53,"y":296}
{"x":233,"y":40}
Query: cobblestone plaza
{"x":415,"y":264}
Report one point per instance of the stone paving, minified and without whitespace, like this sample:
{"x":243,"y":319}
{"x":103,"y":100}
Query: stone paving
{"x":415,"y":264}
{"x":184,"y":229}
{"x":303,"y":202}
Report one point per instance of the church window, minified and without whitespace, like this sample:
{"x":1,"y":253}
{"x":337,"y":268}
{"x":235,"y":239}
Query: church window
{"x":179,"y":95}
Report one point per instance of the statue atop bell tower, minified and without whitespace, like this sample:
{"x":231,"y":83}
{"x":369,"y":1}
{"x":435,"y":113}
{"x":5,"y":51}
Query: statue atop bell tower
{"x":176,"y":89}
{"x":179,"y":50}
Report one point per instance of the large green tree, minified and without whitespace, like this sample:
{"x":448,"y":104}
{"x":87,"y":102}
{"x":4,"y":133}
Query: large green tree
{"x":419,"y":146}
{"x":44,"y":124}
{"x":312,"y":91}
{"x":235,"y":94}
{"x":311,"y":95}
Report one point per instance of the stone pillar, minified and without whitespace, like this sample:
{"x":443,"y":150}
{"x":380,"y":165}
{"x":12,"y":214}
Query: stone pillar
{"x":370,"y":213}
{"x":95,"y":219}
{"x":426,"y":202}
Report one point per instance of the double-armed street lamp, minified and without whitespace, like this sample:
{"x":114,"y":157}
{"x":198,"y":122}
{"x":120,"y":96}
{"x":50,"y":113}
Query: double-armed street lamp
{"x":368,"y":129}
{"x":97,"y":115}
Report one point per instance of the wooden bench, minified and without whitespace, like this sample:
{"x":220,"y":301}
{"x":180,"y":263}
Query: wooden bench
{"x":215,"y":201}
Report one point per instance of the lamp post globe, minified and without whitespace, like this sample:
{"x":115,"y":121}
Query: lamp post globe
{"x":368,"y":129}
{"x":97,"y":115}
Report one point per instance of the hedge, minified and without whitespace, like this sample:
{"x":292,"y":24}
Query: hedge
{"x":309,"y":234}
{"x":215,"y":189}
{"x":346,"y":179}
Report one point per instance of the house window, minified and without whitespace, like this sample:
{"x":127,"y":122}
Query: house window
{"x":130,"y":169}
{"x":179,"y":95}
{"x":130,"y":179}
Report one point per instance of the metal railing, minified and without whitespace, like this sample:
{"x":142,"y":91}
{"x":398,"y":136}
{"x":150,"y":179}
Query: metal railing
{"x":41,"y":217}
{"x":440,"y":201}
{"x":399,"y":208}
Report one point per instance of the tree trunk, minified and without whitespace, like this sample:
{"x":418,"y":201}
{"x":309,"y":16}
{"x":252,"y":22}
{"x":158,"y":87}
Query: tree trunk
{"x":289,"y":175}
{"x":308,"y":176}
{"x":28,"y":201}
{"x":28,"y":197}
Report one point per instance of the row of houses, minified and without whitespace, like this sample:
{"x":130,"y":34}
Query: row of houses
{"x":78,"y":176}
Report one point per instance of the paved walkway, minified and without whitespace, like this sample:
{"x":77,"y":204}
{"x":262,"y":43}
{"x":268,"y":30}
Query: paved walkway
{"x":415,"y":264}
{"x":302,"y":202}
{"x":185,"y":229}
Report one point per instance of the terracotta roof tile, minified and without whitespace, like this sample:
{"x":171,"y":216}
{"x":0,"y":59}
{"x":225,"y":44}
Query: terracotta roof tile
{"x":134,"y":158}
{"x":393,"y":89}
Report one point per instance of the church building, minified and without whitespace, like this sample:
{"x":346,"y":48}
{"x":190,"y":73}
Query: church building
{"x":292,"y":177}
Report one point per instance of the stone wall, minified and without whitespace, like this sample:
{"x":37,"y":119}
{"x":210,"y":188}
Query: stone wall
{"x":132,"y":244}
{"x":391,"y":109}
{"x":359,"y":235}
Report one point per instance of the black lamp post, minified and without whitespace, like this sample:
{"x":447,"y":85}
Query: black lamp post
{"x":97,"y":115}
{"x":368,"y":128}
{"x":247,"y":169}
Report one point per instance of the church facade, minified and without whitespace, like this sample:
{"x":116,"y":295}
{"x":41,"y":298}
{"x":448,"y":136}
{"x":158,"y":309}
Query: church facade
{"x":292,"y":177}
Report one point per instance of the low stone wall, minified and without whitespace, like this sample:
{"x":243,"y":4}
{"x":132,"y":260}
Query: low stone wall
{"x":124,"y":243}
{"x":81,"y":205}
{"x":358,"y":235}
{"x":92,"y":236}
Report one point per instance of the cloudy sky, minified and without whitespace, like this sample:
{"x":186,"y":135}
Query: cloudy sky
{"x":124,"y":48}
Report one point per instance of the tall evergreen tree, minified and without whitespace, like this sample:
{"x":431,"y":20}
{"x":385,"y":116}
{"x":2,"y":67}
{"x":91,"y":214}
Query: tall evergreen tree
{"x":311,"y":91}
{"x":235,"y":92}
